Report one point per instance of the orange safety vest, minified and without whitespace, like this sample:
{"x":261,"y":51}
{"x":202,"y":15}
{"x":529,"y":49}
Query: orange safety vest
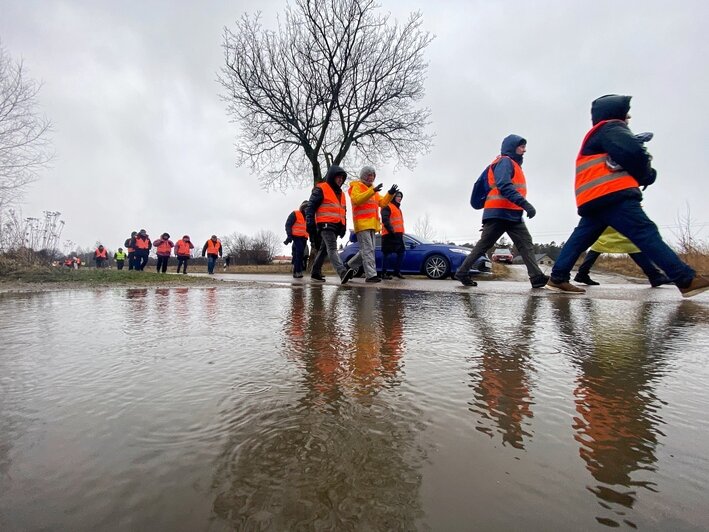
{"x":368,"y":209}
{"x":593,"y":177}
{"x":213,"y":247}
{"x":495,"y":200}
{"x":142,"y":243}
{"x":182,"y":248}
{"x":331,"y":209}
{"x":164,"y":247}
{"x":101,"y":254}
{"x":298,"y":228}
{"x":396,"y":219}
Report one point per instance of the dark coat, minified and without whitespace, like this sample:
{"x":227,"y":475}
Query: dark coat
{"x":316,"y":199}
{"x":503,"y":171}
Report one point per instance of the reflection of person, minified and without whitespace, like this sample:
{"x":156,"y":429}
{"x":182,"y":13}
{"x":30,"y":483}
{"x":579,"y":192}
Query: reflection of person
{"x":393,"y":236}
{"x":296,"y":232}
{"x":325,"y":218}
{"x":606,"y":197}
{"x":213,"y":250}
{"x":164,"y":247}
{"x":611,"y":241}
{"x":183,"y":251}
{"x":120,"y":258}
{"x":504,"y":206}
{"x":366,"y":202}
{"x":141,"y":245}
{"x":101,"y":256}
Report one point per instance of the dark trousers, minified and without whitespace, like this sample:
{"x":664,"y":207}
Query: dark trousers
{"x":518,"y":233}
{"x":162,"y":263}
{"x":298,"y":249}
{"x":119,"y":264}
{"x":652,"y":272}
{"x":131,"y":260}
{"x":141,"y":259}
{"x":182,"y":261}
{"x":628,"y":218}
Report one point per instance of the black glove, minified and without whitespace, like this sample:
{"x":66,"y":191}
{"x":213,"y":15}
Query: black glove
{"x":287,"y":241}
{"x":378,"y":187}
{"x":531,"y":211}
{"x":393,"y":190}
{"x":311,"y":229}
{"x":342,"y":232}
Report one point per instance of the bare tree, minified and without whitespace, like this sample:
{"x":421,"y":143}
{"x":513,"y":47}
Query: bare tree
{"x":266,"y":244}
{"x":24,"y":143}
{"x":334,"y":76}
{"x":424,"y":228}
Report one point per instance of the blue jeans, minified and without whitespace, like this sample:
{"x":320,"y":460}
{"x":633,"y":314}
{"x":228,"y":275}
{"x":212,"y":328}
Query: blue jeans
{"x":628,"y":218}
{"x":211,"y":262}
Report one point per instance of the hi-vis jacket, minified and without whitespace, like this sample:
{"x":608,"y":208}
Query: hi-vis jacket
{"x":495,"y":199}
{"x":365,"y":206}
{"x":331,"y":210}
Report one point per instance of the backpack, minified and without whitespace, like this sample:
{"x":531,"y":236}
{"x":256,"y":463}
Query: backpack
{"x":481,"y":189}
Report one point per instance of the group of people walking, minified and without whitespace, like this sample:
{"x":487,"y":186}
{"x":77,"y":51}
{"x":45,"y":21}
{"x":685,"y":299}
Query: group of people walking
{"x":611,"y":166}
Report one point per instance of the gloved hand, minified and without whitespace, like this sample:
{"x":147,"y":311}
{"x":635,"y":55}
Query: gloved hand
{"x":287,"y":241}
{"x":378,"y":187}
{"x":531,"y":211}
{"x":311,"y":229}
{"x":393,"y":190}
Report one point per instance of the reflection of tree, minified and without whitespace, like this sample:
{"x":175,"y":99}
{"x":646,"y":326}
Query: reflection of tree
{"x":501,"y":387}
{"x":617,"y":426}
{"x":338,"y":455}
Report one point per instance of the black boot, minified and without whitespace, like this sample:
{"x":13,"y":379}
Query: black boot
{"x":585,"y":279}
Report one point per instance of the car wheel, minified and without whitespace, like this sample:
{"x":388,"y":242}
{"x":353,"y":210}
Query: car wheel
{"x":436,"y":267}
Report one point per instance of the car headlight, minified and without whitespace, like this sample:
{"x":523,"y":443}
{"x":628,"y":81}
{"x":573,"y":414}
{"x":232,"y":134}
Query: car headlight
{"x":461,"y":251}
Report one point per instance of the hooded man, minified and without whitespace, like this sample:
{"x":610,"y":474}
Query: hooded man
{"x":213,"y":250}
{"x":393,"y":235}
{"x":296,"y":231}
{"x":325,"y":217}
{"x":504,"y":205}
{"x":609,"y":195}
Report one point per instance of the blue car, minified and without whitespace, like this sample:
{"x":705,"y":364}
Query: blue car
{"x":436,"y":261}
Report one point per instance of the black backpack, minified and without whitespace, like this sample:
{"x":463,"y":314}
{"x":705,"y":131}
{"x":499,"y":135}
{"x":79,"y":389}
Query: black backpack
{"x":481,"y":189}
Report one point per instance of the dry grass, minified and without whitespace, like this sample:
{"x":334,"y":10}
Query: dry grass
{"x":624,"y":265}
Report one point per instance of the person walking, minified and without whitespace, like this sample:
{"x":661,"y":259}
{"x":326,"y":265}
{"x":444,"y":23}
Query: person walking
{"x":325,"y":218}
{"x":120,"y":258}
{"x":393,"y":236}
{"x":503,"y":208}
{"x":164,"y":247}
{"x":183,"y":251}
{"x":297,"y":233}
{"x":131,"y":251}
{"x":141,"y":245}
{"x":611,"y":241}
{"x":606,"y":196}
{"x":101,"y":256}
{"x":213,"y":250}
{"x":366,"y":202}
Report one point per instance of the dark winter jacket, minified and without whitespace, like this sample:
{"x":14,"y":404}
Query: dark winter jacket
{"x":616,"y":139}
{"x":316,"y":199}
{"x":290,"y":221}
{"x":503,"y":171}
{"x":386,"y":215}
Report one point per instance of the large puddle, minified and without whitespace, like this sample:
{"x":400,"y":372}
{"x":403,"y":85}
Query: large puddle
{"x":350,"y":409}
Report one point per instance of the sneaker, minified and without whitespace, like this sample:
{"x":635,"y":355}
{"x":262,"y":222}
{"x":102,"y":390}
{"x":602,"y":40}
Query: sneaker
{"x":564,"y":287}
{"x":398,"y":275}
{"x":465,"y":279}
{"x":359,"y":272}
{"x":317,"y":277}
{"x":585,"y":279}
{"x":375,"y":279}
{"x":386,"y":277}
{"x":697,"y":286}
{"x":539,"y":281}
{"x":659,"y":281}
{"x":347,"y":276}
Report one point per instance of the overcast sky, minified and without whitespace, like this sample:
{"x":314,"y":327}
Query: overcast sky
{"x":142,"y":139}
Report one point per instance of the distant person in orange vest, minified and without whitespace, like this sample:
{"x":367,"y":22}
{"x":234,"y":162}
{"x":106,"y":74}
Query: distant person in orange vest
{"x":131,"y":252}
{"x":366,"y":202}
{"x":77,"y":262}
{"x":183,"y":251}
{"x":141,"y":245}
{"x":101,"y":256}
{"x":120,"y":258}
{"x":393,"y":236}
{"x":164,"y":247}
{"x":609,"y":195}
{"x":298,"y":234}
{"x":213,"y":250}
{"x":326,"y":219}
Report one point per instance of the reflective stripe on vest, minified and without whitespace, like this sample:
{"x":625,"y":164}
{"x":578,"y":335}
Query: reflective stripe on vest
{"x":101,"y":254}
{"x":331,"y":209}
{"x":142,"y":243}
{"x":164,"y":247}
{"x":298,"y":228}
{"x":368,"y":209}
{"x":182,"y":247}
{"x":593,"y":177}
{"x":396,"y":219}
{"x":495,"y":199}
{"x":213,"y":247}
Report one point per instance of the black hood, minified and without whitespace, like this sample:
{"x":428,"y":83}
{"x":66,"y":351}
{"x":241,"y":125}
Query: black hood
{"x":509,"y":147}
{"x":393,"y":200}
{"x":330,"y":176}
{"x":610,"y":107}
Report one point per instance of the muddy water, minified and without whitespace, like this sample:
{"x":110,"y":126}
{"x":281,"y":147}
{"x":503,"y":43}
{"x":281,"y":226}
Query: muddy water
{"x":346,"y":408}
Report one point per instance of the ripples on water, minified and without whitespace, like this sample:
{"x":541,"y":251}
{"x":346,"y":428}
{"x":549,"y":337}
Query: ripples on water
{"x":348,"y":408}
